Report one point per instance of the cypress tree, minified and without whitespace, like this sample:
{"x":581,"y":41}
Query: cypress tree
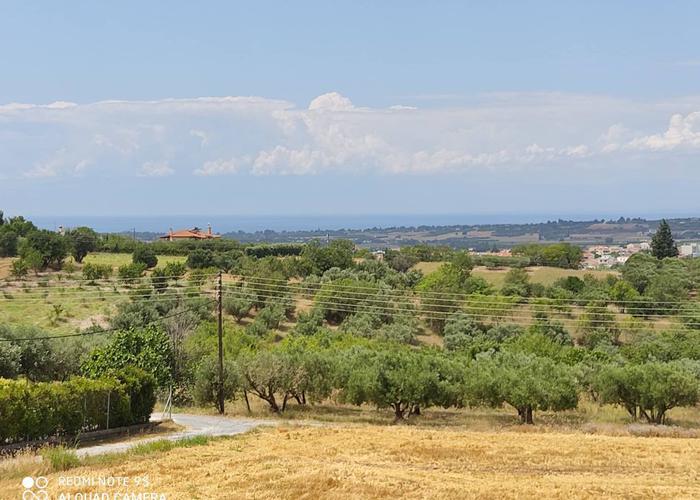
{"x":662,"y":244}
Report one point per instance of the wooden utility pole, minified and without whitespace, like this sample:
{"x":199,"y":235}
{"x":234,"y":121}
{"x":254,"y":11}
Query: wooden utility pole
{"x":220,"y":300}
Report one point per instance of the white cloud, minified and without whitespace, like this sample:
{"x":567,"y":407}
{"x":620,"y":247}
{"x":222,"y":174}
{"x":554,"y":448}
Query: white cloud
{"x":332,"y":101}
{"x":156,"y":169}
{"x":218,"y":167}
{"x":683,"y":131}
{"x":259,"y":136}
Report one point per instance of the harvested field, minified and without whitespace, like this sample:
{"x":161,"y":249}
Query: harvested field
{"x":364,"y":461}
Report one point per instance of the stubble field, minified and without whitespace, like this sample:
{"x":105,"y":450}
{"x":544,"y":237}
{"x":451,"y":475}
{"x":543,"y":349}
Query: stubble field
{"x":369,"y":461}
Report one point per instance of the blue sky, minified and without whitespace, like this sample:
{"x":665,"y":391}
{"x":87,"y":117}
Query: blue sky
{"x":349,"y":107}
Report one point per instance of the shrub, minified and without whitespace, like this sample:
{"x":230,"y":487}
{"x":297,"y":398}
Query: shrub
{"x":145,"y":255}
{"x":96,"y":271}
{"x":174,"y":270}
{"x":30,"y":411}
{"x":19,"y":268}
{"x":131,"y":271}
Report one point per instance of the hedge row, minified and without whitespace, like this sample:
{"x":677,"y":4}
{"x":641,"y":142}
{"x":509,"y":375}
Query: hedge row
{"x":31,"y":411}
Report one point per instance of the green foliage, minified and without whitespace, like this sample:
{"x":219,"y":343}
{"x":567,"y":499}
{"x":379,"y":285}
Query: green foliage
{"x":174,"y":270}
{"x":206,"y":381}
{"x":8,"y":242}
{"x":516,"y":282}
{"x":665,"y":346}
{"x":649,"y":390}
{"x":60,"y":458}
{"x":639,"y":270}
{"x":146,"y":255}
{"x":340,"y":298}
{"x":43,"y":249}
{"x":338,"y":253}
{"x":136,"y":314}
{"x":308,"y":323}
{"x":96,"y":271}
{"x":396,"y":378}
{"x":563,"y":255}
{"x":19,"y":268}
{"x":81,"y":241}
{"x":41,"y":410}
{"x":147,"y":348}
{"x":662,"y":243}
{"x":271,"y":316}
{"x":525,"y":381}
{"x":239,"y":305}
{"x":460,"y":332}
{"x":131,"y":271}
{"x":39,"y":359}
{"x":201,"y":258}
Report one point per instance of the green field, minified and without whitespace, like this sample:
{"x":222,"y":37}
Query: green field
{"x":58,"y":301}
{"x":544,"y":275}
{"x":119,"y":259}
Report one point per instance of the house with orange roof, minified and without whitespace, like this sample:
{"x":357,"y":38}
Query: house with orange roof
{"x":190,"y":234}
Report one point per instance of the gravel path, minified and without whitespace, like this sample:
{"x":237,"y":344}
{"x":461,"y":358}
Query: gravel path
{"x":196,"y":425}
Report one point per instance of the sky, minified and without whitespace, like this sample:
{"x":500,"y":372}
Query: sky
{"x":401,"y":107}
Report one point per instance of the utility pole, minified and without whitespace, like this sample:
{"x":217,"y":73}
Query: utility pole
{"x":220,"y":300}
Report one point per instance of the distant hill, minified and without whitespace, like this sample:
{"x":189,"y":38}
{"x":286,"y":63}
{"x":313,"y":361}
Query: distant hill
{"x":480,"y":236}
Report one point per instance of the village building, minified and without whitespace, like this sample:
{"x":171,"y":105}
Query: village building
{"x":190,"y":234}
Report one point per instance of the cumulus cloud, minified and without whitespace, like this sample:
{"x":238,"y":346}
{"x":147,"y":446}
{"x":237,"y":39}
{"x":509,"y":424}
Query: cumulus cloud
{"x":683,"y":131}
{"x":213,"y":136}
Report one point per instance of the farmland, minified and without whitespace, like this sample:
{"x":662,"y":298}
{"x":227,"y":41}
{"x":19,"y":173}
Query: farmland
{"x":369,"y":461}
{"x":538,"y":274}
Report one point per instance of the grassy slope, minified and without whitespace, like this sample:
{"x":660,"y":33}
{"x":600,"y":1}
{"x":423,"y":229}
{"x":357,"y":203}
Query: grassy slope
{"x":367,"y":461}
{"x":35,"y":305}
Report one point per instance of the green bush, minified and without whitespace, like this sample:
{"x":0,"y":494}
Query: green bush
{"x":145,"y":255}
{"x":131,"y":271}
{"x":96,"y":271}
{"x":39,"y":410}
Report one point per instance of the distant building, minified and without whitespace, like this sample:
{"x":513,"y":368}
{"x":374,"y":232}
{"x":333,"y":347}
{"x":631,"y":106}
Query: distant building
{"x":689,"y":250}
{"x":379,"y":255}
{"x":190,"y":234}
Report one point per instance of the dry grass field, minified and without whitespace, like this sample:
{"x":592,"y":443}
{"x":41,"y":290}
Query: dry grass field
{"x":538,"y":274}
{"x":367,"y":461}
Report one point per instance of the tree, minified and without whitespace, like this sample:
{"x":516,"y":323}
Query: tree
{"x":146,"y":348}
{"x":238,"y":306}
{"x":338,"y":253}
{"x":44,"y":249}
{"x":662,"y":243}
{"x":265,"y":374}
{"x":525,"y":381}
{"x":459,"y":332}
{"x":396,"y":378}
{"x":516,"y":282}
{"x":206,"y":381}
{"x":19,"y":268}
{"x":649,"y":390}
{"x":145,"y":255}
{"x":8,"y":242}
{"x":82,"y":240}
{"x":639,"y":270}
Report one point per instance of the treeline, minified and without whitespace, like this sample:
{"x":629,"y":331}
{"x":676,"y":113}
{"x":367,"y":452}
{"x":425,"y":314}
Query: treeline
{"x":529,"y":371}
{"x":562,"y":255}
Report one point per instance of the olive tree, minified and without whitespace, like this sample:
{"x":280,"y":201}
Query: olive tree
{"x":649,"y":390}
{"x":524,"y":381}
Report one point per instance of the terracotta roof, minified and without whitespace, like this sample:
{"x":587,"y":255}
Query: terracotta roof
{"x":193,"y":234}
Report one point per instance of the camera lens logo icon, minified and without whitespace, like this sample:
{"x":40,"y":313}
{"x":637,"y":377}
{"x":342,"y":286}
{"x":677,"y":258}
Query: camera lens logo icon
{"x":35,"y":488}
